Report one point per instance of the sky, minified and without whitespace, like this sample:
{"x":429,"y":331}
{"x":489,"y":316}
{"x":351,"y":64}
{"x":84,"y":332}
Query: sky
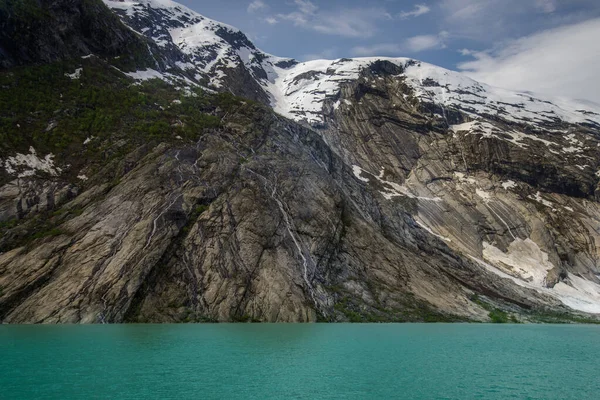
{"x":549,"y":47}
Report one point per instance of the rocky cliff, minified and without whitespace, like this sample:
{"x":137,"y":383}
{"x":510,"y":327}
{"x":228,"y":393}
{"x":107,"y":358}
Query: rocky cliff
{"x":371,"y":189}
{"x":46,"y":31}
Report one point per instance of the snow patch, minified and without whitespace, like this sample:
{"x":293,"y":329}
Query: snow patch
{"x":538,"y":197}
{"x":487,"y":130}
{"x":575,"y":292}
{"x":29,"y":164}
{"x":523,"y":259}
{"x":358,"y":173}
{"x":76,"y":74}
{"x":509,"y":185}
{"x":428,"y":229}
{"x":145,"y":75}
{"x":579,"y":294}
{"x":390,"y":189}
{"x":437,"y":85}
{"x":484,"y":128}
{"x":486,"y":196}
{"x":462,"y":178}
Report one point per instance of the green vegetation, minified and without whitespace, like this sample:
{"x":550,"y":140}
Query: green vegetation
{"x":68,"y":213}
{"x":43,"y":108}
{"x":193,"y":217}
{"x":553,"y":317}
{"x":244,"y":318}
{"x":23,"y":10}
{"x":538,"y":316}
{"x":47,"y":233}
{"x":412,"y":310}
{"x":496,"y":315}
{"x":200,"y":209}
{"x":352,"y":316}
{"x":8,"y":224}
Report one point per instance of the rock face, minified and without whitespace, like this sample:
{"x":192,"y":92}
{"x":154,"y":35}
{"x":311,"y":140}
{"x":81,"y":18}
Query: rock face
{"x":261,"y":223}
{"x":379,"y":190}
{"x":517,"y":197}
{"x":46,"y":31}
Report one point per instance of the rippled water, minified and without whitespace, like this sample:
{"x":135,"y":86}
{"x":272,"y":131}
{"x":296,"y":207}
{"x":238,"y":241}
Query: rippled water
{"x":319,"y":361}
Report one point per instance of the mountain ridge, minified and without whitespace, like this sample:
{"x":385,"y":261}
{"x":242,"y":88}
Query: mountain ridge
{"x":272,"y":77}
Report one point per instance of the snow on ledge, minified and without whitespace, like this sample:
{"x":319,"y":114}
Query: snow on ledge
{"x":390,"y":189}
{"x":145,"y":75}
{"x":24,"y":165}
{"x":75,"y":75}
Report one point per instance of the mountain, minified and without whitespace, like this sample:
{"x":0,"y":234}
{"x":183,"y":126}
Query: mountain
{"x":137,"y":188}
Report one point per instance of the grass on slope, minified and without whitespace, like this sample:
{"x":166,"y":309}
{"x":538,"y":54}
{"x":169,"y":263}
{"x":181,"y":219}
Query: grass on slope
{"x":43,"y":108}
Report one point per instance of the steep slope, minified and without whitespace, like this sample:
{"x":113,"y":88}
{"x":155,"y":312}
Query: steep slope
{"x":383,"y":190}
{"x":53,"y":30}
{"x":218,"y":55}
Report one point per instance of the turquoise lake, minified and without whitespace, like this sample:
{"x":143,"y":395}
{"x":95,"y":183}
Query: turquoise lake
{"x":318,"y":361}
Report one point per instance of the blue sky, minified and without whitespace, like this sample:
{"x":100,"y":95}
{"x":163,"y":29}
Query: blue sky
{"x":547,"y":46}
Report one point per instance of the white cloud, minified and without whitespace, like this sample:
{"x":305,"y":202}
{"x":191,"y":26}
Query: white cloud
{"x":351,"y":22}
{"x":256,"y":5}
{"x":427,"y":42}
{"x":494,"y":20}
{"x":271,"y":20}
{"x":497,"y":19}
{"x":546,"y":6}
{"x":413,"y":44}
{"x":325,"y":54}
{"x":562,"y":61}
{"x":465,"y":9}
{"x":419,"y":10}
{"x":306,"y":7}
{"x":381,"y":49}
{"x":476,"y":19}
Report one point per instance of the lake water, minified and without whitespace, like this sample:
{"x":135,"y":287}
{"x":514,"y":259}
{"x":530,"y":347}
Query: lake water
{"x":318,"y":361}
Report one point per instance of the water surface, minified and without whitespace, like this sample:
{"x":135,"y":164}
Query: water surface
{"x":318,"y":361}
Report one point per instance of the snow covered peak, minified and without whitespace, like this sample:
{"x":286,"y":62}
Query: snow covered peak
{"x":220,"y":56}
{"x":176,"y":12}
{"x":452,"y":89}
{"x":207,"y":48}
{"x":300,"y":92}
